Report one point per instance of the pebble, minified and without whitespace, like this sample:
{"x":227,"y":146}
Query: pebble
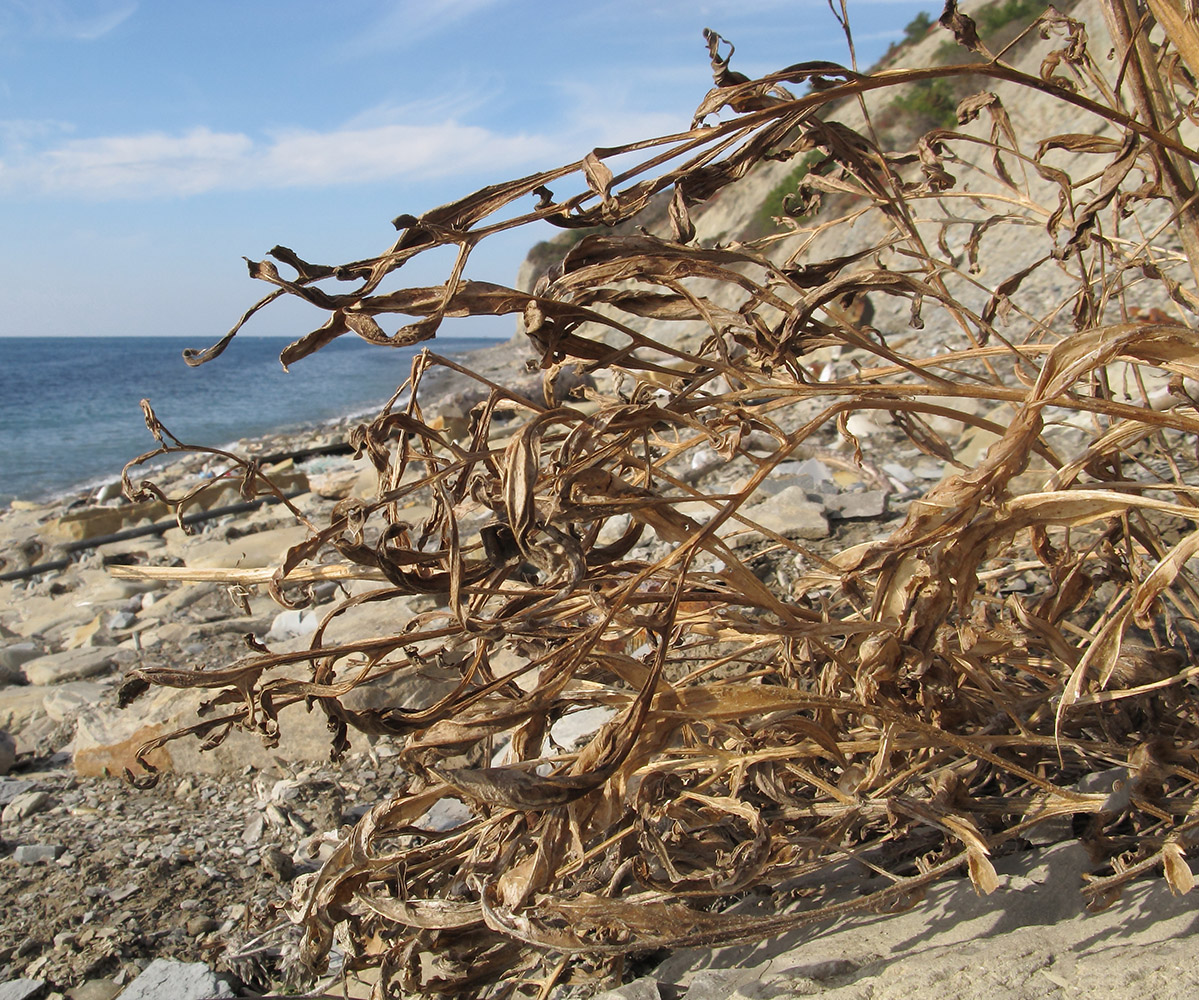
{"x":120,"y":621}
{"x":252,"y":834}
{"x":200,"y":925}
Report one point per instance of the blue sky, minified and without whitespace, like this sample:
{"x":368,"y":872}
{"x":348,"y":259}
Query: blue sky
{"x":145,"y":147}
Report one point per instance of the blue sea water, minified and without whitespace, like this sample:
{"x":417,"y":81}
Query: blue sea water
{"x":70,"y":413}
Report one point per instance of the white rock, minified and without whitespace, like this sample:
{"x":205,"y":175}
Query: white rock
{"x":571,"y":730}
{"x":292,"y":625}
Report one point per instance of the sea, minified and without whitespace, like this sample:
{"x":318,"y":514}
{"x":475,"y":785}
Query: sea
{"x":70,"y":416}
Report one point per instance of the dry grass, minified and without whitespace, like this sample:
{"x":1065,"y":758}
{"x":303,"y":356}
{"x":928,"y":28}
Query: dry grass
{"x":782,"y":720}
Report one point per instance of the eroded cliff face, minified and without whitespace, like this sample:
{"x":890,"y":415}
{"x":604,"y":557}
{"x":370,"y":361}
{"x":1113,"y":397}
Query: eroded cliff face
{"x":992,"y":220}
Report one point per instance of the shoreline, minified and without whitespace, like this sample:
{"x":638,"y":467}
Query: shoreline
{"x":490,"y":361}
{"x":24,"y":489}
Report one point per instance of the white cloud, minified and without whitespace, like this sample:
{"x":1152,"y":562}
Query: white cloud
{"x":370,"y":154}
{"x":156,"y":164}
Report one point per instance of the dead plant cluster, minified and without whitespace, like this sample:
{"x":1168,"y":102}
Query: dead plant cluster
{"x":829,"y":732}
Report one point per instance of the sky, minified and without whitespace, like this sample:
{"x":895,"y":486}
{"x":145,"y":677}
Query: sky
{"x":147,"y":146}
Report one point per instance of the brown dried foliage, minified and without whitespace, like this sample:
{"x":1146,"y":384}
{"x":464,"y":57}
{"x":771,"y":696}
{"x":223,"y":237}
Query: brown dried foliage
{"x":874,"y":718}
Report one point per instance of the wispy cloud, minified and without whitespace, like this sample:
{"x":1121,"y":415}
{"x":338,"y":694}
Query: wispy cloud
{"x":412,"y":21}
{"x":158,"y":164}
{"x":81,"y":20}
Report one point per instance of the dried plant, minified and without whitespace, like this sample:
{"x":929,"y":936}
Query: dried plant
{"x":835,"y":724}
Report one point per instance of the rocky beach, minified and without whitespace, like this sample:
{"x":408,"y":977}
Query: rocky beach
{"x":821,"y":577}
{"x":185,"y":885}
{"x":102,"y":877}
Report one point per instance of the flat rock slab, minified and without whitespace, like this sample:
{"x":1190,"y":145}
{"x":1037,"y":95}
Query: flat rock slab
{"x":167,"y":980}
{"x":31,"y":854}
{"x":69,"y":665}
{"x":23,"y":989}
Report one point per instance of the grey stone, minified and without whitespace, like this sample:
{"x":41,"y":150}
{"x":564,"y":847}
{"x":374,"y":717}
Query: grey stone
{"x":25,"y":804}
{"x":29,"y":854}
{"x":121,"y":620}
{"x":813,"y":474}
{"x":69,"y":665}
{"x":164,"y":979}
{"x":851,"y":506}
{"x":22,"y":989}
{"x":9,"y":790}
{"x":789,"y":513}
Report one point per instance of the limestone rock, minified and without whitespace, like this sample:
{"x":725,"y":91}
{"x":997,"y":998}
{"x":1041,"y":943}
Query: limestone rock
{"x":107,"y":739}
{"x":789,"y":513}
{"x":64,"y":702}
{"x":69,"y":665}
{"x":164,"y":979}
{"x":23,"y":989}
{"x":263,"y":548}
{"x":645,"y":988}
